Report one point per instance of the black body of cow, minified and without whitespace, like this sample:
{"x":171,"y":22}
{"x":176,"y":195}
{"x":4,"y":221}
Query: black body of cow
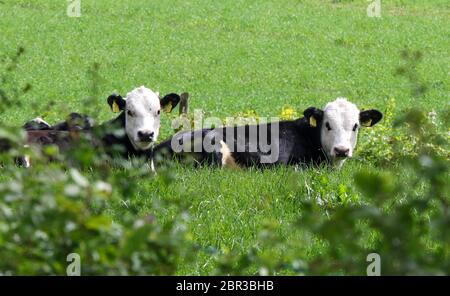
{"x":298,"y":143}
{"x":109,"y":137}
{"x":62,"y":139}
{"x":75,"y":121}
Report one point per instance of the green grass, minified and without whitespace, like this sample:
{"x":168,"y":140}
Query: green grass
{"x":231,"y":56}
{"x":228,"y":208}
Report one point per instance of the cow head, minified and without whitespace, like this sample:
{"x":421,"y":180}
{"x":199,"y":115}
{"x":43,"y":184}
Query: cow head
{"x":339,"y":123}
{"x":142,"y":108}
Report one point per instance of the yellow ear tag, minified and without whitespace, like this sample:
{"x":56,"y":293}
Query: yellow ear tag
{"x":168,"y":108}
{"x":115,"y":107}
{"x":312,"y":121}
{"x":367,"y":123}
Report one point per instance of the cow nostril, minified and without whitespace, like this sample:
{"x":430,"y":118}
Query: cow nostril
{"x":341,"y":152}
{"x":145,"y":136}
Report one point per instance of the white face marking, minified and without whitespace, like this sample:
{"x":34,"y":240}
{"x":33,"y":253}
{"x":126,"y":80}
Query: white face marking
{"x":339,"y":130}
{"x":142,"y":119}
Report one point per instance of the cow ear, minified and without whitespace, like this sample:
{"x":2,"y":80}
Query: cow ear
{"x":116,"y":102}
{"x":369,"y":118}
{"x":169,"y":102}
{"x":313,"y":116}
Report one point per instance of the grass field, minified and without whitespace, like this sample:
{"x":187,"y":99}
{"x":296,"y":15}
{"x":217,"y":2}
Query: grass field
{"x":231,"y":56}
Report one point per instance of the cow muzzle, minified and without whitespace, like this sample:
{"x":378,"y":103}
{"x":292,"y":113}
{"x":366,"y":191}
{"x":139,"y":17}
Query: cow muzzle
{"x":145,"y":136}
{"x":341,"y":152}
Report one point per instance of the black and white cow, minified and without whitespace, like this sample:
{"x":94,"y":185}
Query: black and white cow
{"x":131,"y":134}
{"x":321,"y":136}
{"x":139,"y":118}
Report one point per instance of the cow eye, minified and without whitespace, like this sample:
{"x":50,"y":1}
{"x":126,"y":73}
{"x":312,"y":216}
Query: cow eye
{"x":355,"y":127}
{"x":327,"y":125}
{"x":130,"y":113}
{"x":159,"y":111}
